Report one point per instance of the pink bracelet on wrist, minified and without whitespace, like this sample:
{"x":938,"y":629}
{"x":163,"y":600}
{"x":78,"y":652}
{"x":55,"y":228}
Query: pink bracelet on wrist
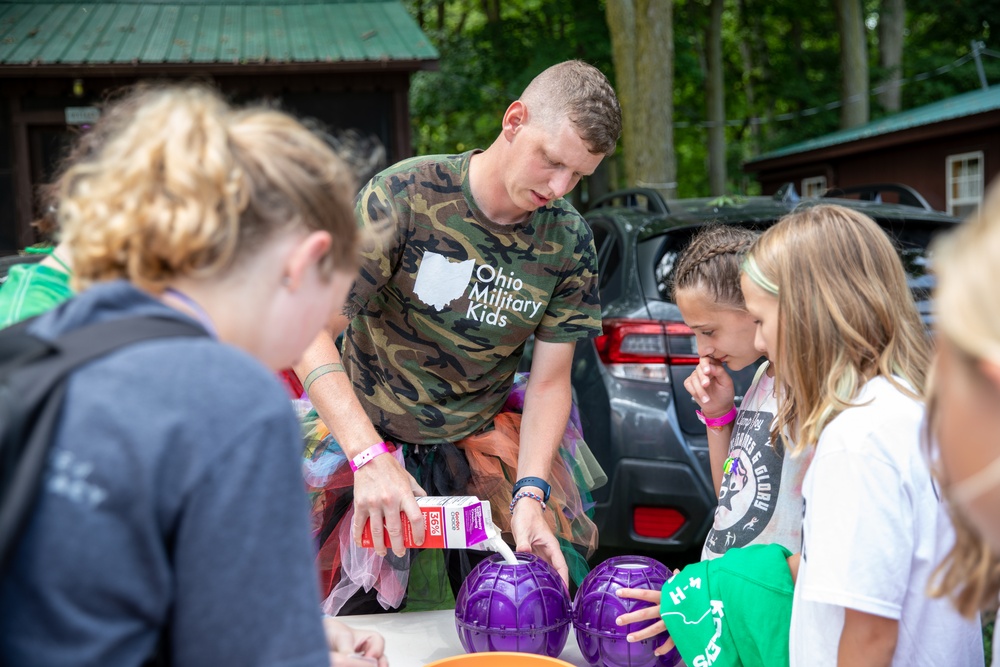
{"x":717,"y":422}
{"x":367,"y":455}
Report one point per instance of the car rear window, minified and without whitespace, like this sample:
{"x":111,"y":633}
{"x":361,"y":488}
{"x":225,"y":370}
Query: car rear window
{"x":658,"y":255}
{"x":661,"y":254}
{"x":657,"y":258}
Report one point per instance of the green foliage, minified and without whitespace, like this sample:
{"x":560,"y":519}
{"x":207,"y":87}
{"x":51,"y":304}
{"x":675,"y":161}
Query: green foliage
{"x":485,"y":66}
{"x":989,"y":621}
{"x":781,"y":60}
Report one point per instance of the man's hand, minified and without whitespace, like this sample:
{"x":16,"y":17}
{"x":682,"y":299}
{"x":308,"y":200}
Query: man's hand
{"x":382,"y":490}
{"x":533,"y":535}
{"x":650,"y":613}
{"x":712,"y":387}
{"x":382,"y":487}
{"x":353,"y":648}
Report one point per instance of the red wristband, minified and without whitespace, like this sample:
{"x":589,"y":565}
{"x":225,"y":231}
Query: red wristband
{"x":717,"y":422}
{"x":367,"y":455}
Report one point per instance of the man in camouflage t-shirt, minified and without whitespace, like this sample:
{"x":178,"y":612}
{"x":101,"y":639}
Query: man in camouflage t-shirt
{"x":442,"y":310}
{"x":481,"y":252}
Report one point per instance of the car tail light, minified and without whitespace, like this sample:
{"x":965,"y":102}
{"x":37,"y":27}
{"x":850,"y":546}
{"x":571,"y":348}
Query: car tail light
{"x":658,"y":522}
{"x":643,"y":349}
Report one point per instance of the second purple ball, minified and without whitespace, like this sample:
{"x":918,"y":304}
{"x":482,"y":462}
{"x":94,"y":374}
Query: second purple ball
{"x":597,"y":605}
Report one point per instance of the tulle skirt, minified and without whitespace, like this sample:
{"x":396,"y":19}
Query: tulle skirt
{"x":482,"y":465}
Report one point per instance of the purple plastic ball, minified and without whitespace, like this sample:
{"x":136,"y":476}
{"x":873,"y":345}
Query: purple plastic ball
{"x":596,"y":607}
{"x":523,"y":607}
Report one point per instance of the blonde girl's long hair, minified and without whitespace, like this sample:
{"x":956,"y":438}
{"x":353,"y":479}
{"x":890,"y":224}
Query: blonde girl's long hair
{"x":965,"y":263}
{"x":846,"y":315}
{"x":178,"y":183}
{"x":970,"y":573}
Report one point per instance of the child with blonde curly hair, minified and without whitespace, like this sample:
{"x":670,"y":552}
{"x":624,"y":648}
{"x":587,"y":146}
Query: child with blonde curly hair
{"x":172,"y":519}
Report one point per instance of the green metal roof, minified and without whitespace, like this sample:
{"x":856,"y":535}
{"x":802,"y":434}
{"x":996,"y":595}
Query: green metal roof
{"x":186,"y":31}
{"x":966,"y":104}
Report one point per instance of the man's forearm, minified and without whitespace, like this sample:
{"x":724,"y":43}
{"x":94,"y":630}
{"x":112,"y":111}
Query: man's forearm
{"x":334,"y":399}
{"x":546,"y":411}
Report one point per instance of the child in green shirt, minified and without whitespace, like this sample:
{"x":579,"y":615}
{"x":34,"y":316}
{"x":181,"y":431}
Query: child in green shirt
{"x":733,"y":611}
{"x":32,"y":289}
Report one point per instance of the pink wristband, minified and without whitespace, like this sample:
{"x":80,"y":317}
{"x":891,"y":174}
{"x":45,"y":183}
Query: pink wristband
{"x":717,"y":422}
{"x":367,"y":455}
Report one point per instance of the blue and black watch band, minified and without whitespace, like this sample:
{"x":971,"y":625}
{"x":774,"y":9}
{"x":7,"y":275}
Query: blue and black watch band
{"x":534,"y":481}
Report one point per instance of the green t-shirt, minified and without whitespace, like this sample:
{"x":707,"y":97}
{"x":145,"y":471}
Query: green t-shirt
{"x":445,"y":302}
{"x":733,"y":611}
{"x":32,"y":289}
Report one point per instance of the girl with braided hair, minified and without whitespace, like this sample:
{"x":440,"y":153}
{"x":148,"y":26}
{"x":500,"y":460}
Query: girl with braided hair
{"x":759,"y":483}
{"x":748,"y":567}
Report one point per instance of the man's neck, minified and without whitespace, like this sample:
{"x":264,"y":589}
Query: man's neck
{"x":488,"y":190}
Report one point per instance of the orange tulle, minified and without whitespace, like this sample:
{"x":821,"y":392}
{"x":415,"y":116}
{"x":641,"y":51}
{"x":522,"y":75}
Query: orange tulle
{"x":492,"y":456}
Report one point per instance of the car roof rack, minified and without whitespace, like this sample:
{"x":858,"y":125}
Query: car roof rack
{"x":631,"y":199}
{"x":907,"y":195}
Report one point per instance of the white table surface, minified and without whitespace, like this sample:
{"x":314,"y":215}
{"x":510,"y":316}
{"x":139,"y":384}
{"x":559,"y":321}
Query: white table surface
{"x":421,"y":637}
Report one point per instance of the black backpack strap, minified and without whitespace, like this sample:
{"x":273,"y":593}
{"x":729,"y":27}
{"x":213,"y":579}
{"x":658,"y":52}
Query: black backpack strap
{"x":17,"y":347}
{"x":28,"y":421}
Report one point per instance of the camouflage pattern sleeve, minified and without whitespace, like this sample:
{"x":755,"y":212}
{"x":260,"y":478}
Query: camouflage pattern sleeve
{"x":382,"y":213}
{"x":574,"y":313}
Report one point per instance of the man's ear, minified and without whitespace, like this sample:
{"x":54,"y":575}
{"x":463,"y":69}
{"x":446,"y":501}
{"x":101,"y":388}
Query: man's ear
{"x":515,"y":116}
{"x":306,"y":253}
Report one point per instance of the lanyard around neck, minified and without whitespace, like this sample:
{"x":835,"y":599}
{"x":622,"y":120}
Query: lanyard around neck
{"x":199,"y":312}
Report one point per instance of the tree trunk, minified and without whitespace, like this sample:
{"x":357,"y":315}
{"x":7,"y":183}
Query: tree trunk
{"x":891,"y":22}
{"x":760,"y":65}
{"x":853,"y":63}
{"x":492,"y":10}
{"x":621,"y":26}
{"x":716,"y":102}
{"x":642,"y":47}
{"x":748,"y":58}
{"x":657,"y":163}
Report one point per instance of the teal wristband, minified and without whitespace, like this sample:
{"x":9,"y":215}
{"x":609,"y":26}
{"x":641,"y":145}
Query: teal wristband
{"x":319,"y":372}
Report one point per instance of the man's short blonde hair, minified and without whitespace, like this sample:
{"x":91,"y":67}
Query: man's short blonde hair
{"x":581,"y":93}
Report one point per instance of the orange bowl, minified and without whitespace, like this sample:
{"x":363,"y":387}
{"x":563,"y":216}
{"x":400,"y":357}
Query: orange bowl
{"x":499,"y":659}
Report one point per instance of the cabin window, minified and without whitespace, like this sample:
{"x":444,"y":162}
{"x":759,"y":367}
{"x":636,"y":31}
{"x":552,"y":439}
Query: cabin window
{"x":965,"y":183}
{"x":814,"y":186}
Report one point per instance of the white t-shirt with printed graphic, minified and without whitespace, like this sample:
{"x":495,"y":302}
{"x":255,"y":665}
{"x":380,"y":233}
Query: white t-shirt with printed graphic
{"x":760,"y":501}
{"x":874,"y":530}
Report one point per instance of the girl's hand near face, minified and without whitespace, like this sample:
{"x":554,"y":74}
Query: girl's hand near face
{"x":712,"y":387}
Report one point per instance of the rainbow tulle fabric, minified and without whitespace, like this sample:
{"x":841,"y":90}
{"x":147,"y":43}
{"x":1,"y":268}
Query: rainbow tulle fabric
{"x":487,"y":470}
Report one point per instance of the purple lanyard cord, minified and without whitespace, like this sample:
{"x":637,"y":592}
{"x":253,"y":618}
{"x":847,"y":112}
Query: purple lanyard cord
{"x":199,"y":312}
